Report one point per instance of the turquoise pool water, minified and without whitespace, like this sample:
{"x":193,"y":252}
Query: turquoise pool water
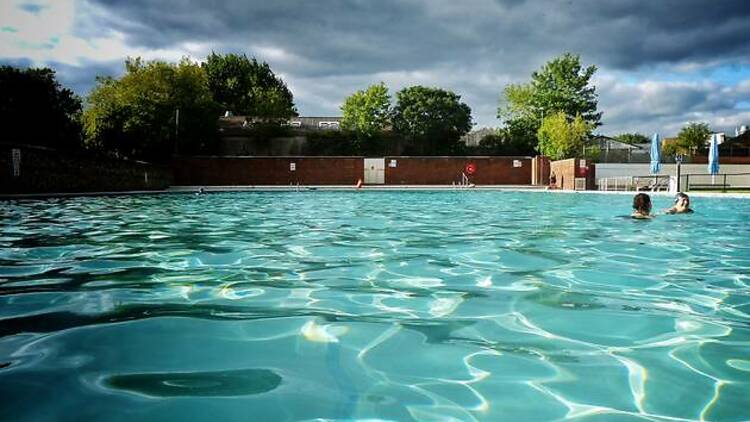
{"x":373,"y":305}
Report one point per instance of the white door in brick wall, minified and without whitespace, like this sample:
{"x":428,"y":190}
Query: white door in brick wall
{"x":374,"y":171}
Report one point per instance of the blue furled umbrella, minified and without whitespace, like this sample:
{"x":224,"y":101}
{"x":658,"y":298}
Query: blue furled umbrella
{"x":713,"y":155}
{"x":655,"y":154}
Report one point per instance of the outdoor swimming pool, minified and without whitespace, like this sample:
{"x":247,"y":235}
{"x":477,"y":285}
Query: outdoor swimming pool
{"x":380,"y":305}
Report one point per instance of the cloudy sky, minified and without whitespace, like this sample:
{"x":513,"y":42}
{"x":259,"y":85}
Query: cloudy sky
{"x":662,"y":63}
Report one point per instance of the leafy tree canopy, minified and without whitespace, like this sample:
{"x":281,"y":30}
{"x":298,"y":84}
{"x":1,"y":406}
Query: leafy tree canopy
{"x":136,"y":116}
{"x":633,"y":138}
{"x":432,"y":119}
{"x":561,"y":85}
{"x":693,"y":137}
{"x":502,"y":142}
{"x":366,"y":113}
{"x":247,"y":87}
{"x":560,"y":138}
{"x":36,"y":109}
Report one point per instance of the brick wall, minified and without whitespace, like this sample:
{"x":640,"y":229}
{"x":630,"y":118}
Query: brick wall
{"x":703,"y":159}
{"x":446,"y":170}
{"x":566,"y":171}
{"x":213,"y":171}
{"x":540,"y":170}
{"x":45,"y":170}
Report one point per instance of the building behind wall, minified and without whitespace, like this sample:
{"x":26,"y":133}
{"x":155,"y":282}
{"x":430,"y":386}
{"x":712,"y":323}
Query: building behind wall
{"x":612,"y":150}
{"x":238,"y":137}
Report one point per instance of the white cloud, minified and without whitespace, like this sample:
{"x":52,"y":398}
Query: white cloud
{"x":654,"y":105}
{"x":47,"y":37}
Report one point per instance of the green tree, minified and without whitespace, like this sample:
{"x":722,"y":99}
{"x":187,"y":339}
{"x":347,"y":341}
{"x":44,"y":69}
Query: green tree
{"x":366,"y":113}
{"x":136,"y":116}
{"x":431,"y":119}
{"x":693,"y":137}
{"x":561,"y":85}
{"x":561,"y":138}
{"x":247,"y":87}
{"x":671,"y":147}
{"x":633,"y":138}
{"x":36,"y":109}
{"x":501,"y":142}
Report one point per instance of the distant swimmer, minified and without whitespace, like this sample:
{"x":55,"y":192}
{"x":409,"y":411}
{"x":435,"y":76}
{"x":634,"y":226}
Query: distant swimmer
{"x":641,"y":206}
{"x":681,"y":205}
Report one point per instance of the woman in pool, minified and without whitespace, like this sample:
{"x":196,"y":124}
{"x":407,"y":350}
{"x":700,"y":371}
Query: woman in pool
{"x":641,"y":206}
{"x":681,"y":205}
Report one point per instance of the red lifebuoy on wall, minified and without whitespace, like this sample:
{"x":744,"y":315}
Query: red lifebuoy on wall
{"x":470,"y":168}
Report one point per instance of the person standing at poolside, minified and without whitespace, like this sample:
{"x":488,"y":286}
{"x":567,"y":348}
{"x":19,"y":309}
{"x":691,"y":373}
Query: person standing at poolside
{"x":641,"y":206}
{"x":681,"y":205}
{"x":552,"y":181}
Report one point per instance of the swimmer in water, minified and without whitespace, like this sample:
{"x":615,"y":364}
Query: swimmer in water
{"x":641,"y":206}
{"x":681,"y":205}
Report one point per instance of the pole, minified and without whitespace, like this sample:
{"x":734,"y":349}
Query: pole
{"x":176,"y":129}
{"x":678,"y":175}
{"x":724,"y":189}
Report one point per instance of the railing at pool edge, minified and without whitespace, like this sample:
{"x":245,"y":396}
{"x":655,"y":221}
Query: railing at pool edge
{"x":629,"y":183}
{"x":724,"y":185}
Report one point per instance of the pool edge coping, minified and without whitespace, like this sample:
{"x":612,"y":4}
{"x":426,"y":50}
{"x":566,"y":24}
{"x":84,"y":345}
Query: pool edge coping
{"x":342,"y":188}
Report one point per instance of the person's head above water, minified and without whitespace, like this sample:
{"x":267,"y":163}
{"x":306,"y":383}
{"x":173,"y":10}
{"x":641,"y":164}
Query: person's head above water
{"x":641,"y":205}
{"x":681,"y":204}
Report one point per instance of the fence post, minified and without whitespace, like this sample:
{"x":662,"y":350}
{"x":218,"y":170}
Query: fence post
{"x":724,"y":187}
{"x":687,"y":182}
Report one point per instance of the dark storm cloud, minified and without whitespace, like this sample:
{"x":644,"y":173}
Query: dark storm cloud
{"x":80,"y":78}
{"x":325,"y":50}
{"x":364,"y":37}
{"x":32,"y":8}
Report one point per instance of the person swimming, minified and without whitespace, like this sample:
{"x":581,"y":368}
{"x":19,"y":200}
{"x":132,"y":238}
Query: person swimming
{"x":681,"y":205}
{"x":641,"y":206}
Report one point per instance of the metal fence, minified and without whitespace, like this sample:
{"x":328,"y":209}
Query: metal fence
{"x":652,"y":183}
{"x":721,"y":181}
{"x":692,"y":181}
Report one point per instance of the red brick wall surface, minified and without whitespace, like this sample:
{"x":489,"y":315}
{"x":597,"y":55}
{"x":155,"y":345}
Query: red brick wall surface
{"x":540,"y":170}
{"x":567,"y":170}
{"x":446,"y":170}
{"x":215,"y":171}
{"x":722,"y":160}
{"x":564,"y":171}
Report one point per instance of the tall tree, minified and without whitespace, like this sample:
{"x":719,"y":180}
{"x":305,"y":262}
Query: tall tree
{"x":248,"y":87}
{"x":693,"y":137}
{"x":36,"y":109}
{"x":561,"y":85}
{"x":432,"y":119}
{"x":560,"y":138}
{"x":153,"y":111}
{"x":367,"y":112}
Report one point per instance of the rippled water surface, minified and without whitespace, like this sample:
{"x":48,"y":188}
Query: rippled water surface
{"x":373,"y":305}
